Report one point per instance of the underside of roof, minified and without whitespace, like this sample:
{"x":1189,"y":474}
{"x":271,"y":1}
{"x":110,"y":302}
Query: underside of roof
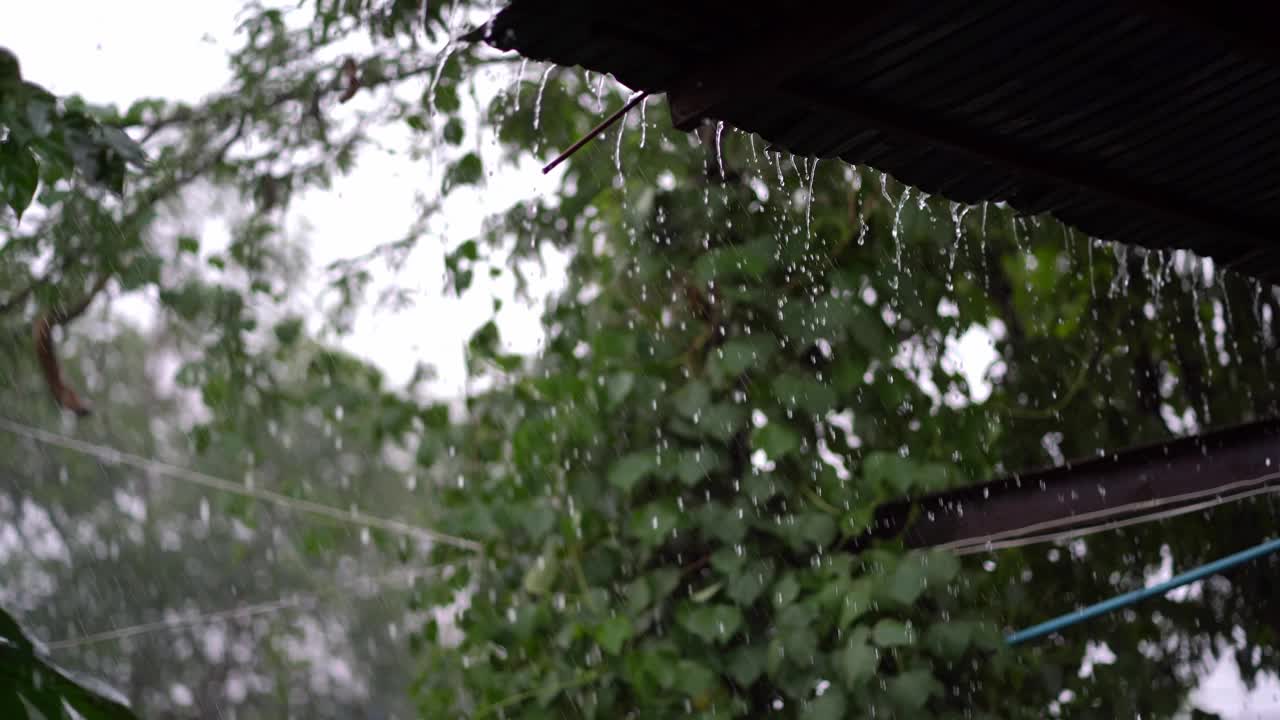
{"x":1153,"y":123}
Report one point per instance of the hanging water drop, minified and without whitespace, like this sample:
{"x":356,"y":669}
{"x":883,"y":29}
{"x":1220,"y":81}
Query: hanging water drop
{"x":719,"y":148}
{"x":644,"y":121}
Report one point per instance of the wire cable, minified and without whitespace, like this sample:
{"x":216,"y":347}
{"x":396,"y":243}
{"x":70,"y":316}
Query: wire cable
{"x":288,"y":602}
{"x":352,"y":517}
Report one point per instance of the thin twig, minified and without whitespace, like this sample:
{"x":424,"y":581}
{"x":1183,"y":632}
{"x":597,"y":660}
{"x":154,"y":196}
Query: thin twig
{"x":593,"y":132}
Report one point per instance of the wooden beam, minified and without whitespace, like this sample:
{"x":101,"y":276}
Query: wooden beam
{"x":1128,"y":487}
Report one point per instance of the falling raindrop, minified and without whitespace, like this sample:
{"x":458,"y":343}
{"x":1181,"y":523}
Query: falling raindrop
{"x":896,"y":231}
{"x":617,"y":149}
{"x":537,"y":103}
{"x":515,"y":88}
{"x":719,"y":148}
{"x":644,"y":121}
{"x":958,"y":212}
{"x":808,"y":203}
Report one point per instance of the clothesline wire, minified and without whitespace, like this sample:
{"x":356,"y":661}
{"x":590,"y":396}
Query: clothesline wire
{"x":176,"y":472}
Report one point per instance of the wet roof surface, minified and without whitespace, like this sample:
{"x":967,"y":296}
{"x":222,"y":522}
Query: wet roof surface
{"x":1143,"y":122}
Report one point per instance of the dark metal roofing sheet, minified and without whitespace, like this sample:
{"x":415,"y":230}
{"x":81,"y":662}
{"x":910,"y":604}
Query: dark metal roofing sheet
{"x":1133,"y":486}
{"x":1155,"y":123}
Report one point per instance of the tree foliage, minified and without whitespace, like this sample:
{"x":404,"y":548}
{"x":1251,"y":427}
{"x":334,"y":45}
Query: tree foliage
{"x":751,"y":353}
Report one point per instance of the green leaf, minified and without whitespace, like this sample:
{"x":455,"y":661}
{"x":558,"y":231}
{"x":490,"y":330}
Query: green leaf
{"x":940,"y":567}
{"x":453,"y":131}
{"x":638,"y":595}
{"x":537,"y":518}
{"x":912,"y":689}
{"x":692,"y":399}
{"x":785,"y":591}
{"x":829,"y":706}
{"x":888,"y":471}
{"x":776,"y":655}
{"x":617,"y":388}
{"x":288,"y":331}
{"x":711,"y":623}
{"x":857,"y":662}
{"x":751,"y":351}
{"x":949,"y":640}
{"x":19,"y":176}
{"x":541,"y":575}
{"x":816,"y":528}
{"x":613,"y":633}
{"x":801,"y":643}
{"x":895,"y":475}
{"x":746,"y":664}
{"x":653,"y":523}
{"x":656,"y":664}
{"x":632,"y":468}
{"x":468,"y":170}
{"x":694,"y":679}
{"x":748,"y":261}
{"x":722,"y":421}
{"x":804,"y":392}
{"x":144,"y":270}
{"x":890,"y":633}
{"x":856,"y":602}
{"x":776,"y":440}
{"x":10,"y":69}
{"x":664,"y":581}
{"x":728,"y":560}
{"x":906,"y":583}
{"x":446,"y":99}
{"x":693,"y":466}
{"x":859,"y":519}
{"x":747,"y":585}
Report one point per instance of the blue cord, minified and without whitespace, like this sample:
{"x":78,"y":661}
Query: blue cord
{"x":1115,"y":603}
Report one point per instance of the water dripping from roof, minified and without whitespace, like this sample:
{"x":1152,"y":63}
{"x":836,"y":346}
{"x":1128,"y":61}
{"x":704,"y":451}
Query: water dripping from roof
{"x":537,"y":103}
{"x":719,"y":147}
{"x":515,"y":87}
{"x":644,"y":120}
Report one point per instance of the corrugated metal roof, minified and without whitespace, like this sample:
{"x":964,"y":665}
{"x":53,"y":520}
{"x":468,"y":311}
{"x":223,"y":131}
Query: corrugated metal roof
{"x":1143,"y":122}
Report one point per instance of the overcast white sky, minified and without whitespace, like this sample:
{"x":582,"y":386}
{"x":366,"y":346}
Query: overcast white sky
{"x":123,"y":50}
